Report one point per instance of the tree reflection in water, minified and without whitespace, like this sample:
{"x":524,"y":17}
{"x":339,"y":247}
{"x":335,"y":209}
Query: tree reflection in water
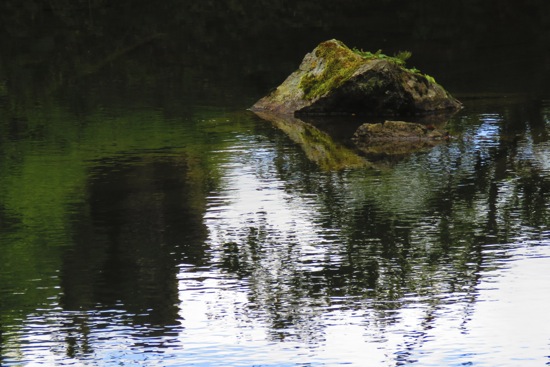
{"x":418,"y":236}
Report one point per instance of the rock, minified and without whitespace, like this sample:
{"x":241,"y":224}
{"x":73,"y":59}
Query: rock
{"x":398,"y":130}
{"x":333,"y":79}
{"x":397,"y":138}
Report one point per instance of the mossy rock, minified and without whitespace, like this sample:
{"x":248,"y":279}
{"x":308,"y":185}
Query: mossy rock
{"x":397,"y":138}
{"x":334,"y":79}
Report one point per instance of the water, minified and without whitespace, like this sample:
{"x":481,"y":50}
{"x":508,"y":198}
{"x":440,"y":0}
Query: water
{"x":148,"y":219}
{"x":217,"y":242}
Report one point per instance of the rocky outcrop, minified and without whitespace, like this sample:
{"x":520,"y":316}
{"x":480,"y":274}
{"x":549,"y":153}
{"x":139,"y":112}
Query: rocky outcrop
{"x":333,"y":79}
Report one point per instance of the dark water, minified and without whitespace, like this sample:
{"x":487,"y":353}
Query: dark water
{"x":148,"y":219}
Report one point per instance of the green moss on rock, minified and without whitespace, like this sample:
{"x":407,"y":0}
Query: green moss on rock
{"x":333,"y":79}
{"x":337,"y":63}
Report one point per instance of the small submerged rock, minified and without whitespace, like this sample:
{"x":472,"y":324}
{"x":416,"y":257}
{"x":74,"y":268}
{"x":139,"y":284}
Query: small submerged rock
{"x":398,"y":131}
{"x":334,"y":79}
{"x":396,"y":138}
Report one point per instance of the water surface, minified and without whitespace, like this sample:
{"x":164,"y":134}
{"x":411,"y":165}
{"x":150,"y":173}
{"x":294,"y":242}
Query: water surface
{"x":133,"y":238}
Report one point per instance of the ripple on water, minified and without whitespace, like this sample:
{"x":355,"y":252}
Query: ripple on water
{"x":66,"y":338}
{"x":332,"y":269}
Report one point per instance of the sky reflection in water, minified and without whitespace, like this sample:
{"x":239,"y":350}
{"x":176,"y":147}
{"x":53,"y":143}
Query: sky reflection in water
{"x":433,"y":261}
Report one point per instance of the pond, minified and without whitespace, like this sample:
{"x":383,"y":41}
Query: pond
{"x":154,"y":221}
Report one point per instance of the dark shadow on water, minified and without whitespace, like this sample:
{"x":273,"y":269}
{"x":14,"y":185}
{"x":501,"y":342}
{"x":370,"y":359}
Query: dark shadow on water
{"x":139,"y":224}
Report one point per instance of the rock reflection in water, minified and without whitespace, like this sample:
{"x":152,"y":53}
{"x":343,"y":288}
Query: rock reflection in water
{"x":319,"y":147}
{"x":338,"y":142}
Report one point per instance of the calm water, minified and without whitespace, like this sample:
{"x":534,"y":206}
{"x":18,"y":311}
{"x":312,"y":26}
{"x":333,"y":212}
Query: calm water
{"x":148,"y":219}
{"x":211,"y":239}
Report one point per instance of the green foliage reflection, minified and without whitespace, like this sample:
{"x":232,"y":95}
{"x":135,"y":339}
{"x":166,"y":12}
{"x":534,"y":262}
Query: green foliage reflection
{"x":47,"y":160}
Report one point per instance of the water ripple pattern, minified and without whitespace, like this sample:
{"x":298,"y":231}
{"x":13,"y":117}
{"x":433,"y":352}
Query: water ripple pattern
{"x":234,"y":249}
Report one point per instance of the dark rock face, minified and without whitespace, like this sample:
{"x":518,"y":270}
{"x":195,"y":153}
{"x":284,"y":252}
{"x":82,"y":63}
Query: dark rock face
{"x":333,"y":79}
